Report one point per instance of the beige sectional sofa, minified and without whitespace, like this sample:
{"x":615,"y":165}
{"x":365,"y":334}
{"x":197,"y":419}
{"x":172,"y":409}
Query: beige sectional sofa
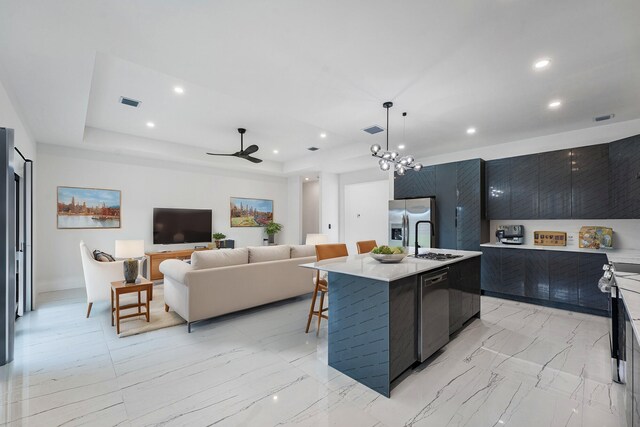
{"x":223,"y":281}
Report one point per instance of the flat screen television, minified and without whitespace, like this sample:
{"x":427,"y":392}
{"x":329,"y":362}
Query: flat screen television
{"x":181,"y":226}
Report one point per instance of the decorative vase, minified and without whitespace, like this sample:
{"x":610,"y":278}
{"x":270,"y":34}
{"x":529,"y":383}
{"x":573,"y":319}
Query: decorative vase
{"x":272,"y":239}
{"x":217,"y":244}
{"x":130,"y":270}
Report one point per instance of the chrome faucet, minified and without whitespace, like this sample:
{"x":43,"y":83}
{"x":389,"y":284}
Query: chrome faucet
{"x":432,"y":234}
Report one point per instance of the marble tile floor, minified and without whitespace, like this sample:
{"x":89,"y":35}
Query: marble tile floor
{"x":520,"y":365}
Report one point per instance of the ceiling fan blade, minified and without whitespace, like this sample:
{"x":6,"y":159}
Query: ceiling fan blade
{"x":250,"y":150}
{"x":252,"y":159}
{"x":218,"y":154}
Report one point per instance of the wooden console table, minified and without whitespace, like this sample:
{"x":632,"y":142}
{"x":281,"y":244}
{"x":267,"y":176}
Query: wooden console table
{"x":155,"y":258}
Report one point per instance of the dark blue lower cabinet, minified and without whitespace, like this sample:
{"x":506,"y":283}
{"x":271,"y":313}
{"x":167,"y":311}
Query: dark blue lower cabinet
{"x":590,"y":272}
{"x":512,"y":266}
{"x":547,"y":277}
{"x":491,"y":273}
{"x":536,"y":277}
{"x":563,"y":277}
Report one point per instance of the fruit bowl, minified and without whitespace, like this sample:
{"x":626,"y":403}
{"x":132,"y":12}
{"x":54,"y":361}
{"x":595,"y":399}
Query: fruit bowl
{"x":388,"y":259}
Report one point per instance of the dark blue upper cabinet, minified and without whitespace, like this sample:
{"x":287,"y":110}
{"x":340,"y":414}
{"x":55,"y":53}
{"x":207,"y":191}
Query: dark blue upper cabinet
{"x":590,"y":182}
{"x":446,"y":202}
{"x":624,"y":161}
{"x":415,"y":184}
{"x":554,"y":185}
{"x":523,"y":180}
{"x":498,"y":190}
{"x":472,"y":229}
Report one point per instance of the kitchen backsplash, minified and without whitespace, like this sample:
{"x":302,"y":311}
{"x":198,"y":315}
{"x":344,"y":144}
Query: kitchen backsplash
{"x":626,"y":232}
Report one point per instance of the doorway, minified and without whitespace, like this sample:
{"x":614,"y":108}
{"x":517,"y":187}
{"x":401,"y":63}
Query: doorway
{"x":310,"y":208}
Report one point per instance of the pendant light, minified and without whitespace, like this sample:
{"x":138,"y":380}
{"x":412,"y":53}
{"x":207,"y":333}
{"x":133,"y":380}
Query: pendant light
{"x":389,"y":159}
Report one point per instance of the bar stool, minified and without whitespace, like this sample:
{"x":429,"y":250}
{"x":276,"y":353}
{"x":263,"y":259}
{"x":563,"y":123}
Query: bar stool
{"x":366,"y":246}
{"x":333,"y":250}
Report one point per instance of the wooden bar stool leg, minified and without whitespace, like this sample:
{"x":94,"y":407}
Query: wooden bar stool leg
{"x":117,"y":313}
{"x":139,"y":304}
{"x":112,"y":309}
{"x":313,"y":305}
{"x":320,"y":310}
{"x":147,"y":313}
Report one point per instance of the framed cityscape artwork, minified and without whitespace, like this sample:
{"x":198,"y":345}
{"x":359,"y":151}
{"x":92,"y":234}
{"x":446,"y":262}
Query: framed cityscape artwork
{"x":251,"y":212}
{"x":88,"y":208}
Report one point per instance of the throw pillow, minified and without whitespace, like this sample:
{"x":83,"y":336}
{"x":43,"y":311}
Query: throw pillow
{"x":102,"y":256}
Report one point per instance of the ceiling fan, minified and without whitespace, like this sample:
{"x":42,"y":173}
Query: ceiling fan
{"x":243,"y":153}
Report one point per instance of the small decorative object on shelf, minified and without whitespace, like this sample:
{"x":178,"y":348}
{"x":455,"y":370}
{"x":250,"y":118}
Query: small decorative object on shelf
{"x":550,"y":238}
{"x":130,"y":249}
{"x":272,"y":229}
{"x":595,"y":237}
{"x":217,"y":237}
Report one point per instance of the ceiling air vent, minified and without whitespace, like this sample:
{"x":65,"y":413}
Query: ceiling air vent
{"x":313,"y":148}
{"x":373,"y":129}
{"x":603,"y":118}
{"x":128,"y":101}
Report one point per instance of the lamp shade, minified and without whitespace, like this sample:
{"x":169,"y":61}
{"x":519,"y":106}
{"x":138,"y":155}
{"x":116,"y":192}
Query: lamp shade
{"x":317,"y":239}
{"x":129,"y":248}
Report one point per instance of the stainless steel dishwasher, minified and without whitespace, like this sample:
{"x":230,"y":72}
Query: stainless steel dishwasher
{"x":434,"y":312}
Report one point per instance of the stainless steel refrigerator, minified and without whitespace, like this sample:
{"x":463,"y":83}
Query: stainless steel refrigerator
{"x":403,"y":215}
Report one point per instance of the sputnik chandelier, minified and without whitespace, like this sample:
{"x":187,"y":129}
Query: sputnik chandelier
{"x":392,"y":158}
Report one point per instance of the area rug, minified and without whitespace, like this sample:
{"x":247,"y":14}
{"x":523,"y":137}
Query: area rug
{"x":159,"y":318}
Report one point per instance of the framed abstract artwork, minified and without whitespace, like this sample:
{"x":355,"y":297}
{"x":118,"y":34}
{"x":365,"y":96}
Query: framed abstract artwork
{"x":250,"y":212}
{"x":88,"y":208}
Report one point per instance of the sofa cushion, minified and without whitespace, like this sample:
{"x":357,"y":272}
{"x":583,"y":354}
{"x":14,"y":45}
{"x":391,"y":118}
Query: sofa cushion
{"x":102,"y":256}
{"x":268,"y":253}
{"x":219,"y":258}
{"x":301,"y":251}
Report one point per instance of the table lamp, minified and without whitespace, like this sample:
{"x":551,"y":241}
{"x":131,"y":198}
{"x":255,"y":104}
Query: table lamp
{"x":130,"y":249}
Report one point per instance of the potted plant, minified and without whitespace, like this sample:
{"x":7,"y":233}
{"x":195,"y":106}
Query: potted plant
{"x":272,"y":228}
{"x":217,"y":237}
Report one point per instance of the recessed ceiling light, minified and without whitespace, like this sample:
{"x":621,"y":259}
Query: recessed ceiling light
{"x":151,"y":125}
{"x":275,"y":151}
{"x":401,"y":147}
{"x":306,"y":179}
{"x":555,"y":104}
{"x":178,"y":89}
{"x":541,"y":64}
{"x":471,"y":131}
{"x":323,"y":135}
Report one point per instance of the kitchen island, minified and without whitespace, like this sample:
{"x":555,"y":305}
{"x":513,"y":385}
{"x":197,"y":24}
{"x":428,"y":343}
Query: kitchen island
{"x":376,"y":311}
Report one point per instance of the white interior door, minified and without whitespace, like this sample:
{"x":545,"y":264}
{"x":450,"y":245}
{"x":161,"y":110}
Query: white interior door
{"x":366,"y":208}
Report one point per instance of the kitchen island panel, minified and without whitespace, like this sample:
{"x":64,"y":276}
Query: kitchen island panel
{"x":359,"y":330}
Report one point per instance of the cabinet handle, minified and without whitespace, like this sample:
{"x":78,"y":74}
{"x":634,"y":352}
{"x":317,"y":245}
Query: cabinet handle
{"x":456,"y":216}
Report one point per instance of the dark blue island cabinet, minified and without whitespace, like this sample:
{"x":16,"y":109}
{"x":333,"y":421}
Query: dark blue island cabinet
{"x":374,"y":324}
{"x":554,"y":278}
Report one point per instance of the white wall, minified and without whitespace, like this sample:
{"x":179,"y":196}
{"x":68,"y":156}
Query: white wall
{"x":9,"y":118}
{"x":366,"y":211}
{"x":329,"y":206}
{"x":293,"y":232}
{"x":310,"y":208}
{"x":144,"y":184}
{"x":626,"y":232}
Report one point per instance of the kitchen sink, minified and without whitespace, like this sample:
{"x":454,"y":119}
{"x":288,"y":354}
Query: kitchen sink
{"x":625,"y":267}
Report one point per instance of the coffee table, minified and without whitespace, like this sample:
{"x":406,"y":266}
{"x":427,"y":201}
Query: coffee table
{"x":120,"y":288}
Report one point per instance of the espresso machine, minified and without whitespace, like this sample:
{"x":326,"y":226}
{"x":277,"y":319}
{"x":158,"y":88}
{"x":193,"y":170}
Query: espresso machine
{"x":510,"y":234}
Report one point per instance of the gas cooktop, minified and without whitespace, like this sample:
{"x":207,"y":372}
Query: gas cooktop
{"x":438,"y":256}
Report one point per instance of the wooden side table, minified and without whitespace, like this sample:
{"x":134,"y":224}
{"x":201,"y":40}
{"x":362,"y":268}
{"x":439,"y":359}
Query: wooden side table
{"x":120,"y":288}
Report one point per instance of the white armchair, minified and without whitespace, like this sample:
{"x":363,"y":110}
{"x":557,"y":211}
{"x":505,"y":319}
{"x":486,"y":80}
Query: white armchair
{"x":98,"y":276}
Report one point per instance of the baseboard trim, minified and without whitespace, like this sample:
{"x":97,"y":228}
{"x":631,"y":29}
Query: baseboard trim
{"x":550,"y":304}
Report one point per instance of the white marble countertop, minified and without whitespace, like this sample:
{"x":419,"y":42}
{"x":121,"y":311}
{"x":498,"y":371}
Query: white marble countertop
{"x":614,"y":255}
{"x":367,"y":267}
{"x":629,"y":286}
